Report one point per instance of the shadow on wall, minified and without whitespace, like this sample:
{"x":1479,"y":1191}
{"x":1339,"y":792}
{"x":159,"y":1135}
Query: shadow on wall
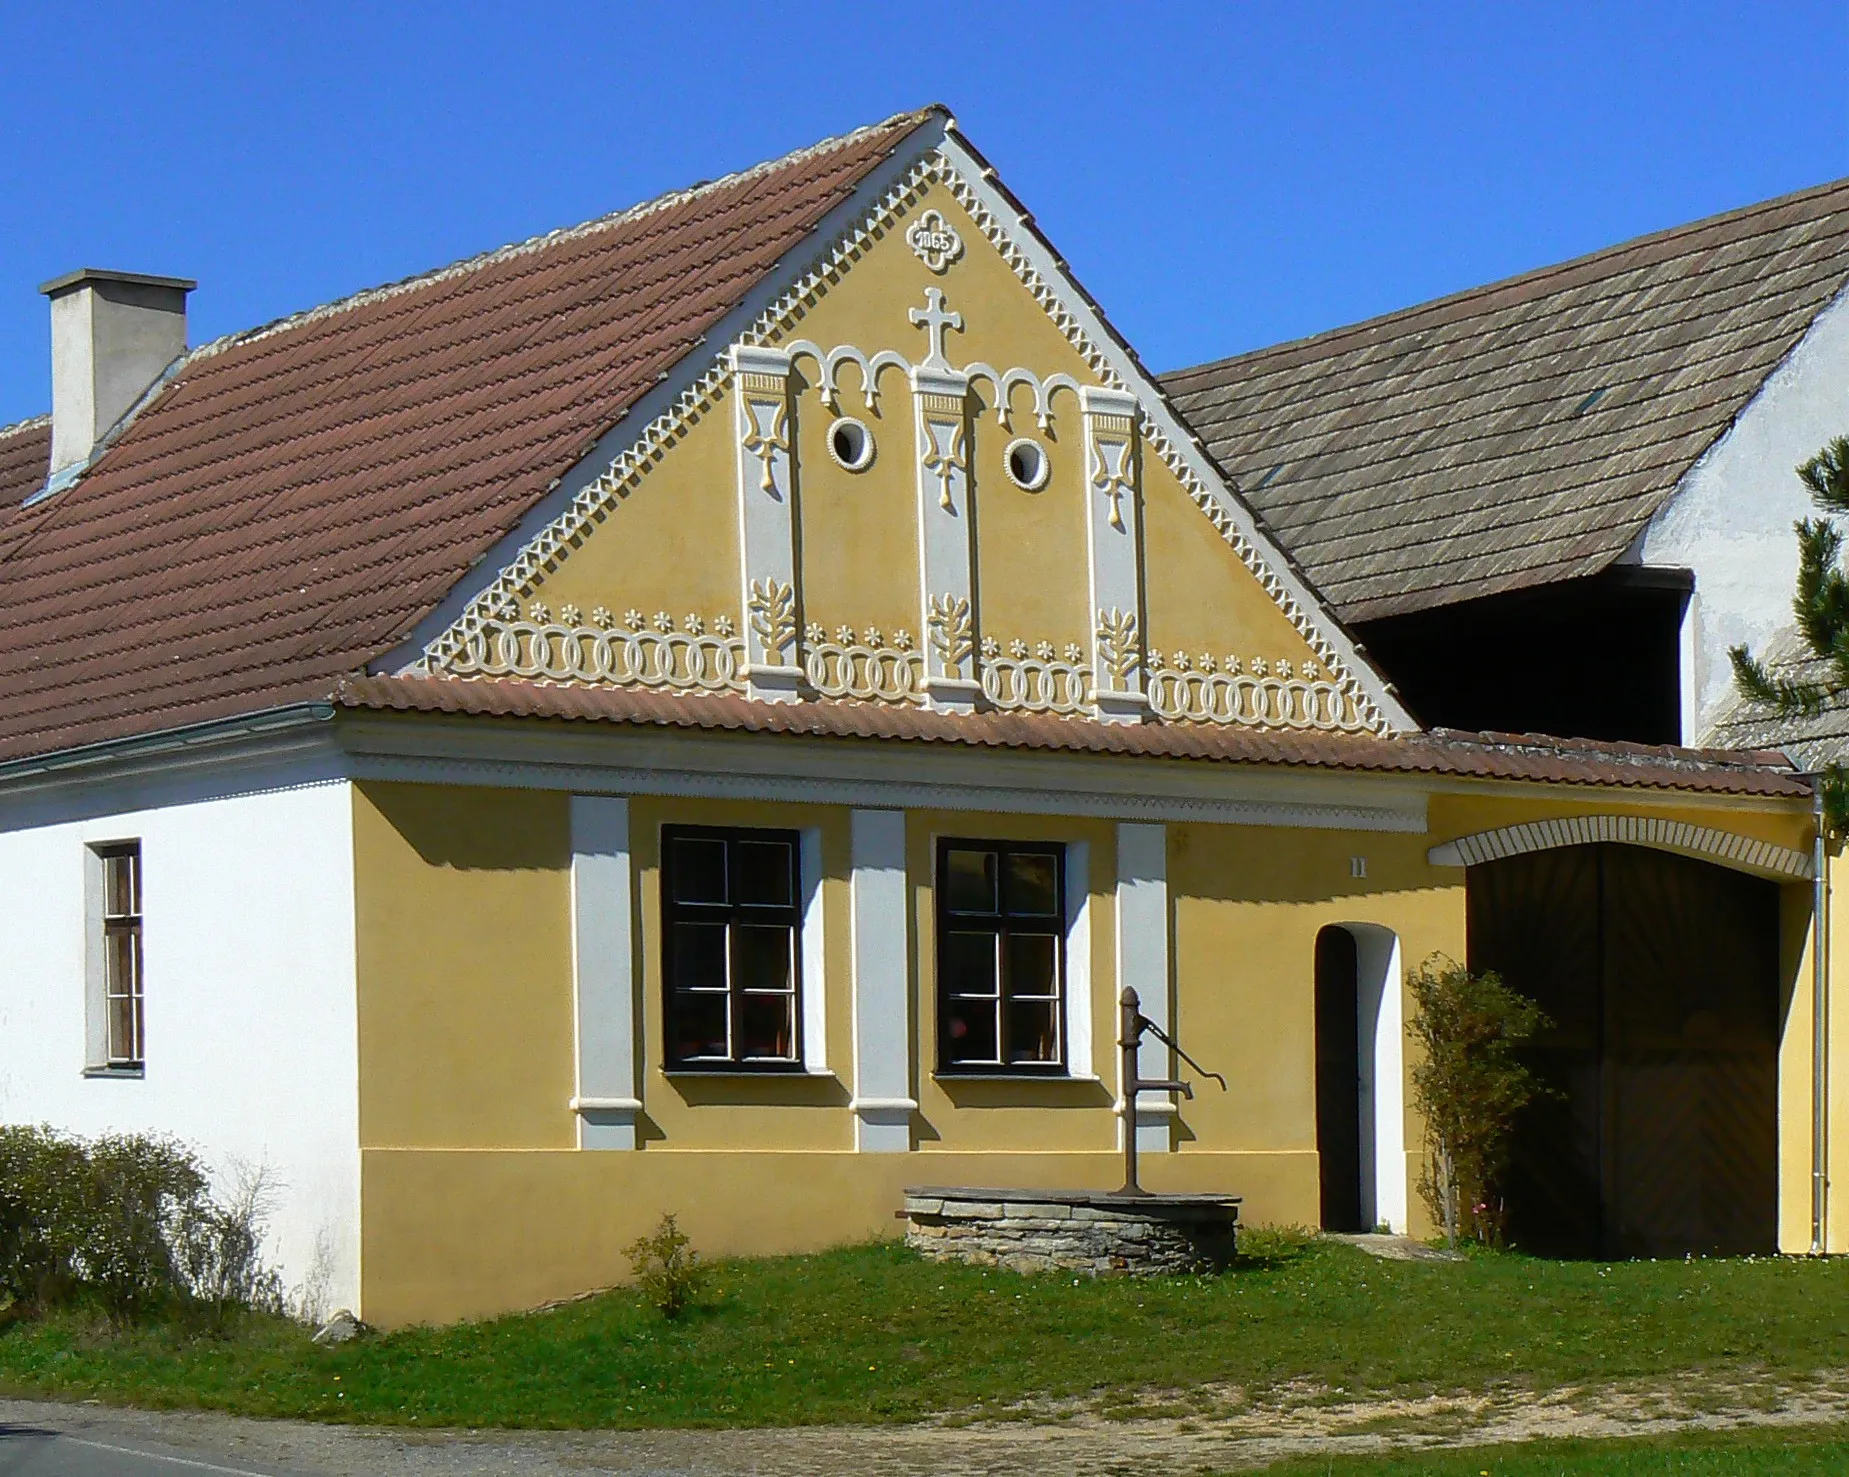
{"x":473,"y":830}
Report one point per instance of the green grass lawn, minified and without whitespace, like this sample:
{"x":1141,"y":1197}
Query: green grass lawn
{"x":1761,"y":1453}
{"x":874,"y":1333}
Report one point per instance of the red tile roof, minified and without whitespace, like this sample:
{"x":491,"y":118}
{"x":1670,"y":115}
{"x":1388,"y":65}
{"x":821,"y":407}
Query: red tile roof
{"x":298,"y":498}
{"x":1444,"y":752}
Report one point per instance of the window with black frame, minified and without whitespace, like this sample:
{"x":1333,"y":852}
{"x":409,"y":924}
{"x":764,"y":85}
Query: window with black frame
{"x":731,"y":920}
{"x":1001,"y":956}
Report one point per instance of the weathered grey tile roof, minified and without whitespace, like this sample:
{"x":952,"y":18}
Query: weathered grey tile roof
{"x":1523,"y":432}
{"x":1812,"y":742}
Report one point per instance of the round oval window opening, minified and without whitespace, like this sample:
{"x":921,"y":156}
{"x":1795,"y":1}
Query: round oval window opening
{"x":1027,"y":465}
{"x":850,"y":443}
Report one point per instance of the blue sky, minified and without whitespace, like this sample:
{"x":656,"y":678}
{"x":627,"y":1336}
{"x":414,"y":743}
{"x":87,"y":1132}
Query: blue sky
{"x":1220,"y":177}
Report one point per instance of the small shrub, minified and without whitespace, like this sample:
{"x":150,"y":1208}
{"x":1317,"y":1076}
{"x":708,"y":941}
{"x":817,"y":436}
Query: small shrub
{"x":1469,"y":1089}
{"x":668,"y":1270}
{"x":220,"y":1251}
{"x":127,"y":1223}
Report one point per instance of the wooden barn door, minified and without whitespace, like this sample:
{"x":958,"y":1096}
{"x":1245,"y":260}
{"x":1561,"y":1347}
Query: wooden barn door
{"x":1660,"y":974}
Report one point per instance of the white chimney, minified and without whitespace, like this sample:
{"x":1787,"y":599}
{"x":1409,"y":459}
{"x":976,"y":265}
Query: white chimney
{"x":113,"y":334}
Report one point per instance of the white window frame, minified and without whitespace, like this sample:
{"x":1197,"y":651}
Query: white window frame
{"x":99,"y":1059}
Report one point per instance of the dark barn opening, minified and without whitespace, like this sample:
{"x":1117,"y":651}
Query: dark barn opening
{"x":1660,"y":974}
{"x":1516,"y":662}
{"x":1338,"y":1079}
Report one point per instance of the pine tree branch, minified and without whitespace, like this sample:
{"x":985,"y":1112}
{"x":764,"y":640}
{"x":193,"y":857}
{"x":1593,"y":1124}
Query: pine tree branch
{"x":1789,"y":697}
{"x":1834,"y":780}
{"x":1827,"y":476}
{"x":1821,"y":603}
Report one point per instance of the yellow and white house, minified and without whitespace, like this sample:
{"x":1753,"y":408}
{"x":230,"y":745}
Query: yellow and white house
{"x":758,"y":806}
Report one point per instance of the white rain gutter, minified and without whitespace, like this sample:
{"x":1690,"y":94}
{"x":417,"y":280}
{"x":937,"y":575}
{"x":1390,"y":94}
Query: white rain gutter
{"x":1819,"y":1026}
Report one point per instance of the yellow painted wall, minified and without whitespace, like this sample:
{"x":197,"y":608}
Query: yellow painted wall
{"x":1249,"y":902}
{"x":476,"y":1200}
{"x":672,"y":543}
{"x":464,"y":967}
{"x":1201,"y":598}
{"x":460,"y":1235}
{"x":859,"y":530}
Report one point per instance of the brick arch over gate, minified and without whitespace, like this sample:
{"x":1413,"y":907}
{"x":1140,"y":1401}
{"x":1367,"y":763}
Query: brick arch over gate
{"x":1763,"y":858}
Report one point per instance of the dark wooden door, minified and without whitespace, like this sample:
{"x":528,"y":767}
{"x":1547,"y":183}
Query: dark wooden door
{"x":1659,"y":1133}
{"x":1338,"y":1080}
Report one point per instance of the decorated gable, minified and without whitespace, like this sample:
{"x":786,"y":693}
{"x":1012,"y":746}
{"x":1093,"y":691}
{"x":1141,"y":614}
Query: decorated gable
{"x":919,"y":480}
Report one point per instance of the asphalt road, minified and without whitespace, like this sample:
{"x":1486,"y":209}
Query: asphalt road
{"x":39,"y":1449}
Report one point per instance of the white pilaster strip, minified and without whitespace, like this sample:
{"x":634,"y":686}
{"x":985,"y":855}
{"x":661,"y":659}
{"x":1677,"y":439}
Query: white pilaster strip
{"x":1143,"y":963}
{"x":769,"y":597}
{"x":814,"y":955}
{"x":603,"y":973}
{"x":1111,"y":527}
{"x":946,"y":538}
{"x":882,"y":1102}
{"x":1079,"y":1002}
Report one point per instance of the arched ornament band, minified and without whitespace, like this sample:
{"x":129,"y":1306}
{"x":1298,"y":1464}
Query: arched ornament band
{"x":1781,"y":863}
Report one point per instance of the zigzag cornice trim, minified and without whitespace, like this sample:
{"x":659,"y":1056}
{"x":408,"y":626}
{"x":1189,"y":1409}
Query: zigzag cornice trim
{"x":1154,"y":436}
{"x":595,"y":501}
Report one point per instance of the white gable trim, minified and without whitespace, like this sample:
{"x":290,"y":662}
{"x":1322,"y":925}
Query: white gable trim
{"x":944,"y":158}
{"x":1046,"y":275}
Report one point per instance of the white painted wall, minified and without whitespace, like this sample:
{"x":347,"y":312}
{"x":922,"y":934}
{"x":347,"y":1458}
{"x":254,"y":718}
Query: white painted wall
{"x":1731,"y":520}
{"x":250,"y":997}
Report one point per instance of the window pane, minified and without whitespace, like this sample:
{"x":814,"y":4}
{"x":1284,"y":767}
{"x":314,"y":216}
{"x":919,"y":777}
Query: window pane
{"x":1033,"y":965}
{"x":699,"y":1027}
{"x":699,"y":956}
{"x":697,"y":869}
{"x":1033,"y":1031}
{"x":119,"y":884}
{"x":767,"y":1027}
{"x":969,"y":880}
{"x":120,"y":951}
{"x":761,"y":958}
{"x":969,"y":1031}
{"x":1030,"y":883}
{"x":968,"y":965}
{"x":764,"y":869}
{"x":124,"y":1019}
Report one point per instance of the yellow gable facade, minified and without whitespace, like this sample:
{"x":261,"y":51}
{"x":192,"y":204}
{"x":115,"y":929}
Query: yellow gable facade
{"x":911,"y":484}
{"x":925,"y":480}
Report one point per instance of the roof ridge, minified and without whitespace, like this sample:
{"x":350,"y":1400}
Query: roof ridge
{"x":30,"y":423}
{"x":1456,"y":299}
{"x":627,"y":214}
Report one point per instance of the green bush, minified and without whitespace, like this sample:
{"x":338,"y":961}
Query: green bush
{"x":1469,"y":1089}
{"x":125,"y":1222}
{"x":668,"y":1270}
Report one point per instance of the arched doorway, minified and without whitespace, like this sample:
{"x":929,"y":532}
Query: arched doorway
{"x":1338,"y":1080}
{"x":1360,"y":1126}
{"x":1658,"y":1133}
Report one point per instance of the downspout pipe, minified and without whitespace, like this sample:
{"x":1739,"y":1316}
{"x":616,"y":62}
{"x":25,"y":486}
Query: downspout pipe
{"x":1819,"y":1026}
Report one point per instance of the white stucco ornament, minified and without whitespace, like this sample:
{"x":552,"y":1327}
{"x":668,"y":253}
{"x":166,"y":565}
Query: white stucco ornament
{"x":935,"y":240}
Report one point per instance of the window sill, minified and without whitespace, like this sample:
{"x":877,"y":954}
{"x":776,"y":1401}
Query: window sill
{"x":750,"y":1074}
{"x":125,"y":1073}
{"x":1014,"y":1077}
